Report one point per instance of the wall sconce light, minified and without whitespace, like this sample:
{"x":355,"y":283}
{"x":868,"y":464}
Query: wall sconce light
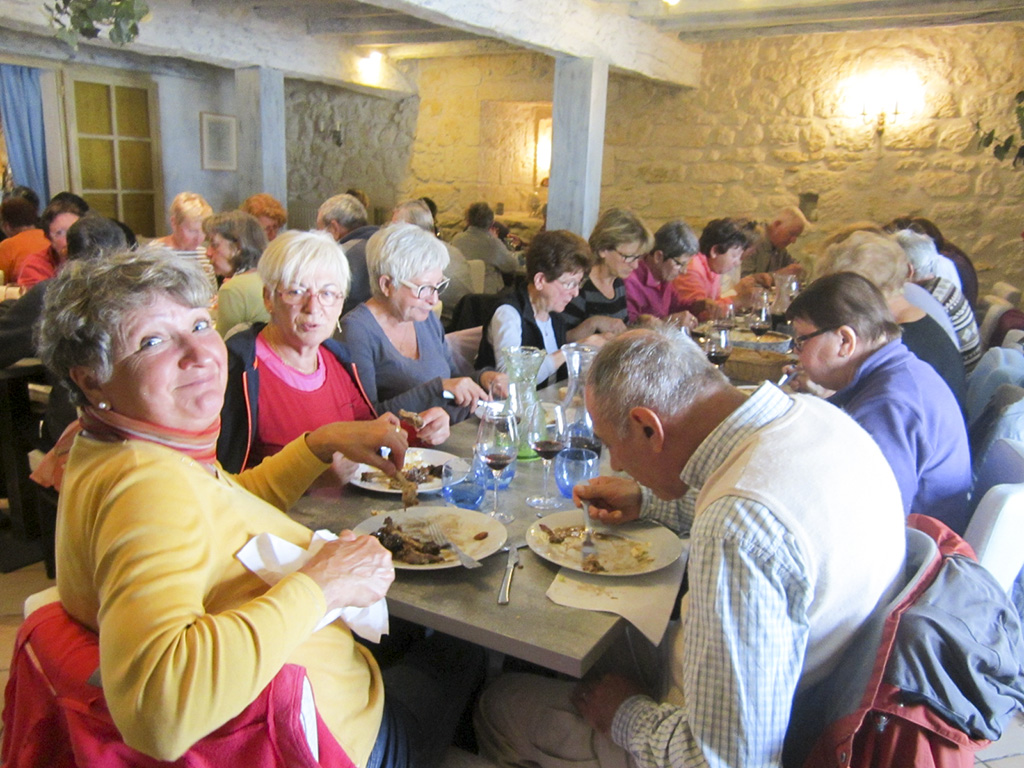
{"x":673,"y":3}
{"x":543,"y":152}
{"x":882,"y":97}
{"x":370,"y":67}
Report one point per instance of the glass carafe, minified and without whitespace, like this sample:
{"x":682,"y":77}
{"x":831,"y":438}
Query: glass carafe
{"x":786,"y":289}
{"x":522,"y":364}
{"x":579,"y":428}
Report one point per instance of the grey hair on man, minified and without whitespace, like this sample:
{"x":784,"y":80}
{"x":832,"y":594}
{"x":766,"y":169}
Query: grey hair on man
{"x":414,"y":212}
{"x":659,"y":367}
{"x":346,"y":210}
{"x":88,"y":303}
{"x":921,"y":253}
{"x":402,"y":251}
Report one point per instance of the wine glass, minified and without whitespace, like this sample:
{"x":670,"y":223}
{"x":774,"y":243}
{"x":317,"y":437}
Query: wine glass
{"x":546,"y":433}
{"x":760,"y":320}
{"x":723,"y":315}
{"x":718,"y":346}
{"x":497,"y":443}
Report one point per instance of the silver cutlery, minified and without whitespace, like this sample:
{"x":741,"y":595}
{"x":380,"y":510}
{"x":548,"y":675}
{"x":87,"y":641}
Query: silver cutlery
{"x":510,"y":568}
{"x":435,"y":532}
{"x":588,"y":550}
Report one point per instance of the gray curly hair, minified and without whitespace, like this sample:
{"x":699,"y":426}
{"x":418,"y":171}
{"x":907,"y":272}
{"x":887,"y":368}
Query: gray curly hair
{"x":87,"y":304}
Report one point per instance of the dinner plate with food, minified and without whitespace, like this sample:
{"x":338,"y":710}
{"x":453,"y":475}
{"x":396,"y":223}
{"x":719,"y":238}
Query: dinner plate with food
{"x":413,"y":547}
{"x":622,"y":550}
{"x":422,"y":467}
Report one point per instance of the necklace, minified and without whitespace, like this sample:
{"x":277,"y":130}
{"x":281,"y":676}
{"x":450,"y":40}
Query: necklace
{"x":287,"y":354}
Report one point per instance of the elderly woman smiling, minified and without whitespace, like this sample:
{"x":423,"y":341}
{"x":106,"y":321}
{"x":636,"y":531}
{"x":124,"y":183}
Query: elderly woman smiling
{"x":397,"y":341}
{"x":290,"y":376}
{"x":149,"y":523}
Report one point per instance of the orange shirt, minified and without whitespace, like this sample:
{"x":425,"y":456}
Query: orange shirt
{"x":16,"y":247}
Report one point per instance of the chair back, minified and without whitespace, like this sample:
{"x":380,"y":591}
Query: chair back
{"x":999,"y":365}
{"x":1004,"y":463}
{"x":996,"y":531}
{"x":1003,"y":418}
{"x":995,"y":307}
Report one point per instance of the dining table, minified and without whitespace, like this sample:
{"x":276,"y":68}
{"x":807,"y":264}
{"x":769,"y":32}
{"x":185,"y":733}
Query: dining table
{"x":464,"y":603}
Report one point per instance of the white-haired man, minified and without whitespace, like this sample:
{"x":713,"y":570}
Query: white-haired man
{"x":772,"y":254}
{"x":345,"y":218}
{"x":797,"y":535}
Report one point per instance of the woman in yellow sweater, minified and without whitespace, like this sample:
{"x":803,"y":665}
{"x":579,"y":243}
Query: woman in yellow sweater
{"x":149,"y":523}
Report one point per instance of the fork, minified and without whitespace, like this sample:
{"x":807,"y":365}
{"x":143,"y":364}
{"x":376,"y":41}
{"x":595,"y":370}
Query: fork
{"x":588,"y":550}
{"x":437,"y":534}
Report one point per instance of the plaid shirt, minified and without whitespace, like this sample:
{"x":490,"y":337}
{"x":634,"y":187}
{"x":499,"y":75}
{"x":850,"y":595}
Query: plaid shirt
{"x":746,"y":630}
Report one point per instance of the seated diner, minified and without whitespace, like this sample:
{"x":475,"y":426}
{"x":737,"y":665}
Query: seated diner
{"x":722,"y":245}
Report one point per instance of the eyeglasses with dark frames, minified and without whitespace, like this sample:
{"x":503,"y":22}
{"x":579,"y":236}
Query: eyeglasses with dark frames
{"x":799,"y":341}
{"x":418,"y":290}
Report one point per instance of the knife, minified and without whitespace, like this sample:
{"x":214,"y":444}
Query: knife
{"x":510,"y":567}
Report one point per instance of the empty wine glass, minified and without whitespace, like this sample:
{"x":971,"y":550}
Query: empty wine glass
{"x":723,"y":315}
{"x":546,"y":433}
{"x":718,"y":346}
{"x":497,"y":443}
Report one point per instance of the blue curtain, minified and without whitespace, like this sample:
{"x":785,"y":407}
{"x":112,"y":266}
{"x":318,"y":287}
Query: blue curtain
{"x":21,"y":106}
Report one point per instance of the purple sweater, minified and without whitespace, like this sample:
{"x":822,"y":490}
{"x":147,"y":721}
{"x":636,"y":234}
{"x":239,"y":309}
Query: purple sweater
{"x":912,"y":415}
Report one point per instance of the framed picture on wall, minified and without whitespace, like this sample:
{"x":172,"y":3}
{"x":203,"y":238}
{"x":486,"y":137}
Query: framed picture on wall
{"x":219,"y":134}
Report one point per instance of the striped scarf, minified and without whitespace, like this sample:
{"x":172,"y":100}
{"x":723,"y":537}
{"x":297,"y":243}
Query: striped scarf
{"x":110,"y":426}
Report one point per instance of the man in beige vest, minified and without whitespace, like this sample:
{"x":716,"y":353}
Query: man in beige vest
{"x":796,"y":535}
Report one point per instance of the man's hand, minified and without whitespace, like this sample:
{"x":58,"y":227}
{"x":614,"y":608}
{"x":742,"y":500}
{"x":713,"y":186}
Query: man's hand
{"x":598,"y":702}
{"x":613,"y":500}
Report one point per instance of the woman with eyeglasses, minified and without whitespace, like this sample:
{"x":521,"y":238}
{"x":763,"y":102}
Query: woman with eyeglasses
{"x":850,"y":346}
{"x":527,"y":315}
{"x":288,"y":376}
{"x":396,"y":338}
{"x":649,"y":290}
{"x":619,"y":240}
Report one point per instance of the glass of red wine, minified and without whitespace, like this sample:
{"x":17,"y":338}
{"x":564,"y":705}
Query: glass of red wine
{"x":718,"y":346}
{"x":497,"y":443}
{"x":760,"y":320}
{"x":546,"y":432}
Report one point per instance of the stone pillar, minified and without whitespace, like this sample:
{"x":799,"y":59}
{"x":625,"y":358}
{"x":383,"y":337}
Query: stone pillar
{"x":262,"y":159}
{"x":577,"y":143}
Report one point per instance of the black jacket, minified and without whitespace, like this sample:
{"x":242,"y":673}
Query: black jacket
{"x":518,"y":297}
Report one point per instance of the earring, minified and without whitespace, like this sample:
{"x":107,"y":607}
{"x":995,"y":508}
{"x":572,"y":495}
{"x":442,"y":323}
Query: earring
{"x":103,"y":405}
{"x":339,"y":326}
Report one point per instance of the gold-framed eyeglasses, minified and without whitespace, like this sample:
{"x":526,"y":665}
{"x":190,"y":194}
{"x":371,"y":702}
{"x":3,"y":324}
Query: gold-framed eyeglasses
{"x":423,"y":291}
{"x":294,"y":297}
{"x":799,"y":341}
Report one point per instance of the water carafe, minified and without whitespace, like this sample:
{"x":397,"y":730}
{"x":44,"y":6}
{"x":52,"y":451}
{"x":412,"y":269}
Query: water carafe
{"x":579,"y":427}
{"x":522,"y":364}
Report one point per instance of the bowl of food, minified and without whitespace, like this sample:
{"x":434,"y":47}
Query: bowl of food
{"x":771,"y":341}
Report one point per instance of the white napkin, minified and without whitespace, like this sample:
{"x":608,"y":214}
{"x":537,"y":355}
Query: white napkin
{"x":272,"y":558}
{"x":645,"y":601}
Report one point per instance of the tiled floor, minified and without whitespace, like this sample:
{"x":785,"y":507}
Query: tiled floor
{"x":1008,"y":752}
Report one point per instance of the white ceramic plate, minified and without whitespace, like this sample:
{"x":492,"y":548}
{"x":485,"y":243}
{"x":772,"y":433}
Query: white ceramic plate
{"x":414,"y":457}
{"x":633,"y":548}
{"x":460,"y":525}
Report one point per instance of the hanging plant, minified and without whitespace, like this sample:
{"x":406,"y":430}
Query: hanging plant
{"x":73,"y":19}
{"x":1001,"y":146}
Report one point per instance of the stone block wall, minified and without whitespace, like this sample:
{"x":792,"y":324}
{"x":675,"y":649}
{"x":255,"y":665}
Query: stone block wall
{"x":377,"y":139}
{"x":767,"y":125}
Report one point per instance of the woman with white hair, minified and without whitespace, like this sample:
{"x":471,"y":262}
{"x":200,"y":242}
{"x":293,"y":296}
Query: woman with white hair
{"x":188,"y":209}
{"x":931,"y":272}
{"x":395,"y":337}
{"x":288,"y":376}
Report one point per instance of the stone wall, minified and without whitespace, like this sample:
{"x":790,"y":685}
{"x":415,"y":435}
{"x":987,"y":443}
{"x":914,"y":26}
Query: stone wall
{"x":767,"y":125}
{"x":376,"y":142}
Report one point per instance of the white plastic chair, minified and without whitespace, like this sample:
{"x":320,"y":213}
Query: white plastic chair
{"x":997,"y":307}
{"x":996,"y":531}
{"x":1003,"y":463}
{"x":1007,"y":291}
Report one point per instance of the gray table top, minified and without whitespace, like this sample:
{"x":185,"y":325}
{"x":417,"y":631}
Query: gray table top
{"x":463,"y":603}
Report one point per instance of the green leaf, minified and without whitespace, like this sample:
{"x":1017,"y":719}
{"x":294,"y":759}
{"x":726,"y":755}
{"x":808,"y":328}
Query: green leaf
{"x":986,"y":140}
{"x":1018,"y":159}
{"x":68,"y":36}
{"x":1019,"y":112}
{"x":1003,"y":149}
{"x":1019,"y":97}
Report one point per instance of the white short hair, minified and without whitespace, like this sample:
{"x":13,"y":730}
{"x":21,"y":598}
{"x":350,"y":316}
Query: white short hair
{"x":294,"y":255}
{"x":402,"y":251}
{"x":921,"y":252}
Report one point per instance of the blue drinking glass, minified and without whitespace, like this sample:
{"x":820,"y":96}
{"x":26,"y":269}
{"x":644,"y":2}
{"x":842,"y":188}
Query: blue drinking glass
{"x":573,"y":466}
{"x":460,"y":485}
